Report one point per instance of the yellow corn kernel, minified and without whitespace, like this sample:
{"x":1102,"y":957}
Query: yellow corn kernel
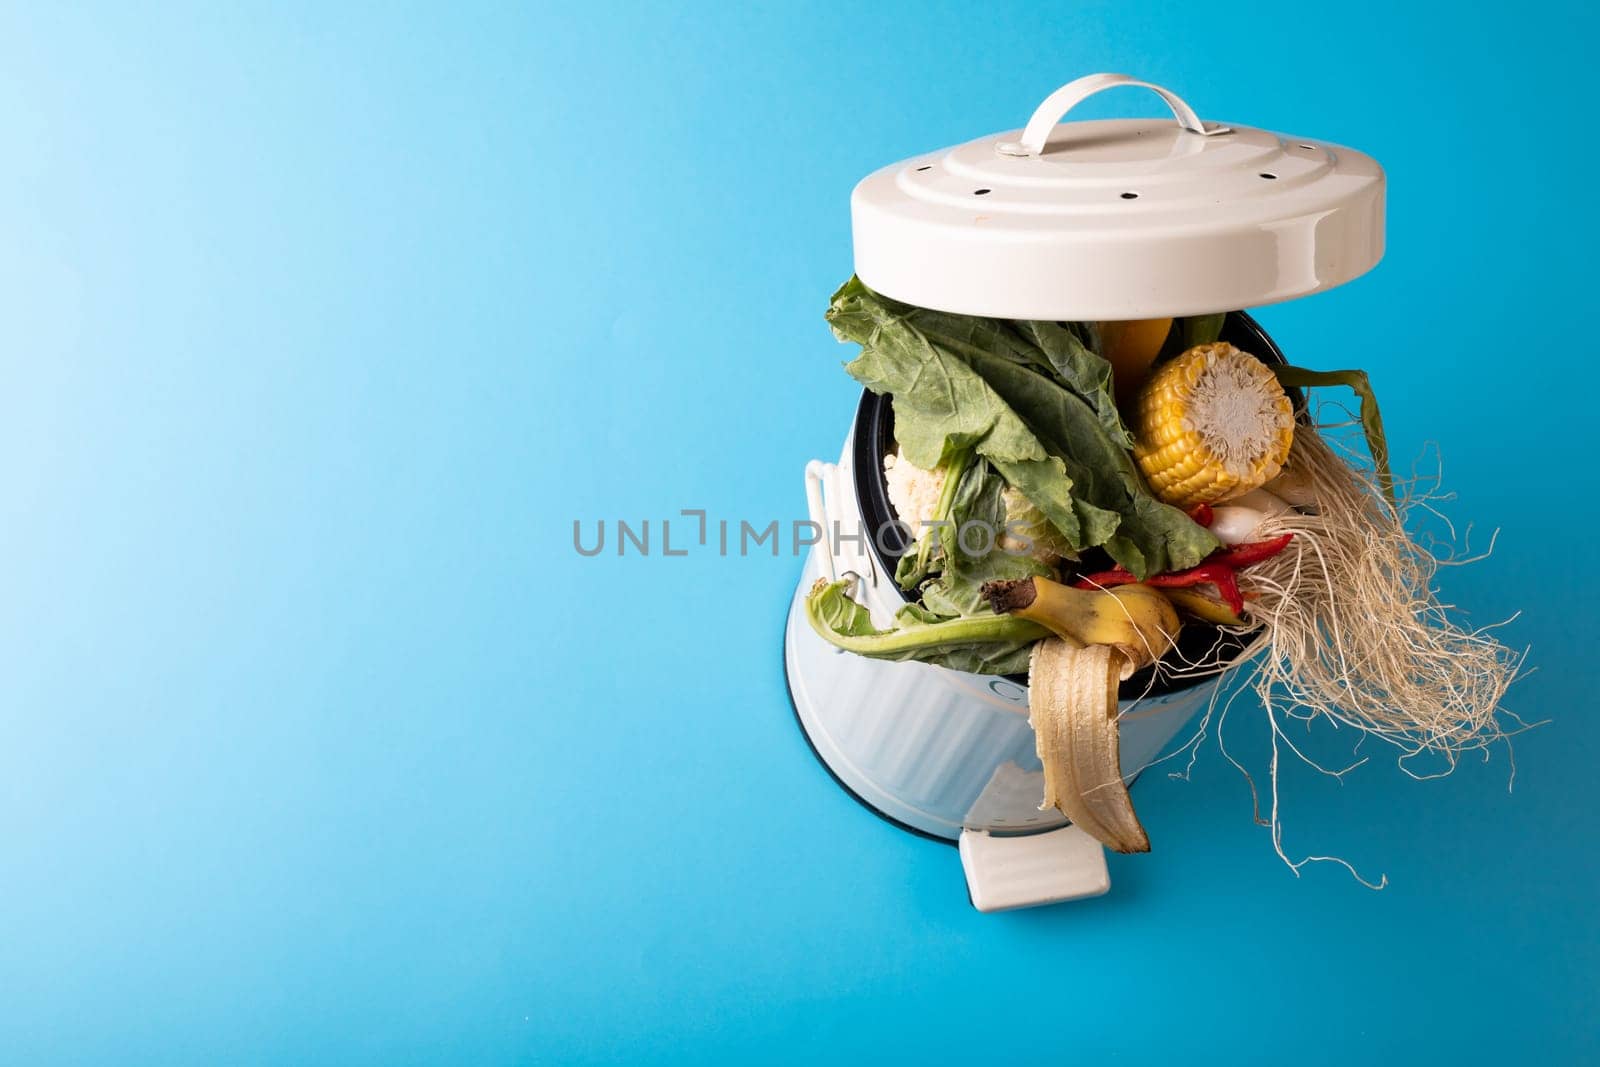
{"x":1211,"y":425}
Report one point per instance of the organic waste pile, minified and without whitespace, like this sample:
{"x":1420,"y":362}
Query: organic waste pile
{"x":1082,"y":492}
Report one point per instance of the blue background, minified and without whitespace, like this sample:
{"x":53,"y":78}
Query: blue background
{"x":318,"y":742}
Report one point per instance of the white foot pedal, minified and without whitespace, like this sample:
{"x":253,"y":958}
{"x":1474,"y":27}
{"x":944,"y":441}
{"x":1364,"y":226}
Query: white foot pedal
{"x":1032,"y":869}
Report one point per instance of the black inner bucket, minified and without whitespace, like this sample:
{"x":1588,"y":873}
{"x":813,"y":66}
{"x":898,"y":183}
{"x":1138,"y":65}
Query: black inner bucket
{"x":874,"y":439}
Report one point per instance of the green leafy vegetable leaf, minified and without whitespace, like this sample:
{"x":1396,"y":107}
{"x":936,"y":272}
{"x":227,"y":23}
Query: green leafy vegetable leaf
{"x":1080,"y":370}
{"x":1202,"y":329}
{"x":1032,"y":399}
{"x":974,"y":553}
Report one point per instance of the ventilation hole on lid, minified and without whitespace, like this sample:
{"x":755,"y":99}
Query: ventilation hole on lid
{"x":1130,"y":196}
{"x":981,"y":192}
{"x":1268,"y":175}
{"x":1312,"y":147}
{"x":930,"y":165}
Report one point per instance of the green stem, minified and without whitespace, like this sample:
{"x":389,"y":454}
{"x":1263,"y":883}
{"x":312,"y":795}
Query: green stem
{"x":954,"y":466}
{"x":1371,"y":421}
{"x":952,"y":633}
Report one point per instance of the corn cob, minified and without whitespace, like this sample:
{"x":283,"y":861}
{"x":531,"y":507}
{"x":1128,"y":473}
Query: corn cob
{"x":1211,"y":425}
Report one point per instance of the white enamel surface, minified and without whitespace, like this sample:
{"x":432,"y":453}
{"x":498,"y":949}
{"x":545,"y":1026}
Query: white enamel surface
{"x":1054,"y":108}
{"x":1056,"y":238}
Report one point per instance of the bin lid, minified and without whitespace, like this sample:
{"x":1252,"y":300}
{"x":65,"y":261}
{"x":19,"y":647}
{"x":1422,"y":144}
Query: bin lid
{"x":1118,"y":219}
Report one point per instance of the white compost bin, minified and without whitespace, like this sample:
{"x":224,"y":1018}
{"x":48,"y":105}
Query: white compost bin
{"x":1101,"y":220}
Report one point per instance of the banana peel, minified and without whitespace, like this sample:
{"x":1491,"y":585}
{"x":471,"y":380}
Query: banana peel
{"x":1135,"y":619}
{"x":1072,"y":704}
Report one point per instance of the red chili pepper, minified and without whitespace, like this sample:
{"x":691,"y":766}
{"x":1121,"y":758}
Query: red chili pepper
{"x":1219,"y":574}
{"x":1202,"y":514}
{"x":1243,"y":555}
{"x":1116,"y":576}
{"x":1220,"y":569}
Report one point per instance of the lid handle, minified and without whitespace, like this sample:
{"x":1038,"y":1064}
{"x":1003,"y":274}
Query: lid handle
{"x":1057,"y":104}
